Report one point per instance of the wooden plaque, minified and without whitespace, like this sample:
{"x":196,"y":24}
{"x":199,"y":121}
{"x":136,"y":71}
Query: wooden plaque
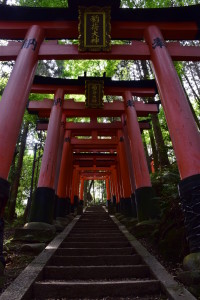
{"x":94,"y":92}
{"x":94,"y":29}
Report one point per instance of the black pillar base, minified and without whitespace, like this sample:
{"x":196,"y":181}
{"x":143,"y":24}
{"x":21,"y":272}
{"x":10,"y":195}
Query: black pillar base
{"x":42,"y":208}
{"x":108,"y":203}
{"x":61,"y":207}
{"x":81,"y":202}
{"x":189,"y":191}
{"x":75,"y":201}
{"x":68,"y":211}
{"x":118,"y":207}
{"x":127,"y":207}
{"x":133,"y":206}
{"x":4,"y":195}
{"x":121,"y":205}
{"x":114,"y":200}
{"x":72,"y":208}
{"x":147,"y":207}
{"x":55,"y":206}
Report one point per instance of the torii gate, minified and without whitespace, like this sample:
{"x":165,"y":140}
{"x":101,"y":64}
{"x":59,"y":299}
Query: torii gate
{"x":154,"y":26}
{"x":115,"y":109}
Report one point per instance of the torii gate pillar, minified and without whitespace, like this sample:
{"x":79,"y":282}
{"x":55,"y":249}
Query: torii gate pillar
{"x":43,"y":206}
{"x":63,"y":203}
{"x":125,"y":201}
{"x":12,"y":107}
{"x":108,"y":190}
{"x":81,"y":202}
{"x":146,"y":206}
{"x":183,"y":131}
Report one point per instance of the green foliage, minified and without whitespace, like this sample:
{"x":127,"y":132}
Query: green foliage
{"x":43,"y":3}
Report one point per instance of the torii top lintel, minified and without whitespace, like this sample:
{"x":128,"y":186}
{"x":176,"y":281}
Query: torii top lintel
{"x":142,"y":88}
{"x":177,"y":23}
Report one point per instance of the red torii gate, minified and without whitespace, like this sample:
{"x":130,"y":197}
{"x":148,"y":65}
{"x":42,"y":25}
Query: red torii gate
{"x":152,"y":25}
{"x":117,"y":108}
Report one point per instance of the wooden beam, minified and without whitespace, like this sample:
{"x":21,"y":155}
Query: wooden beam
{"x":78,"y":109}
{"x":136,"y":51}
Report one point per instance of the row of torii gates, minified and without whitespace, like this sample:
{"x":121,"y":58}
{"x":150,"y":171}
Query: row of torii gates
{"x":148,"y":29}
{"x":108,"y":158}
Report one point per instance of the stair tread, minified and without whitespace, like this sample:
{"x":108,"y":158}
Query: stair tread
{"x":96,"y":282}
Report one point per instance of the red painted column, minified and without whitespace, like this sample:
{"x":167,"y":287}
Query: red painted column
{"x":183,"y":131}
{"x":60,"y":149}
{"x":69,"y":177}
{"x":182,"y":127}
{"x":44,"y":202}
{"x":74,"y":196}
{"x":141,"y":172}
{"x":130,"y":166}
{"x":108,"y":190}
{"x":146,"y":206}
{"x":125,"y":202}
{"x":63,"y":206}
{"x":119,"y":180}
{"x":113,"y":188}
{"x":12,"y":107}
{"x":82,"y":190}
{"x":116,"y":186}
{"x":13,"y":104}
{"x":14,"y":98}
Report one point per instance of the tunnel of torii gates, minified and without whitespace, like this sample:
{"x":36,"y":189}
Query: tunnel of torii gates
{"x":34,"y":33}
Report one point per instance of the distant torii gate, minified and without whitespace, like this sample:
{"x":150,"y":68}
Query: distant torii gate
{"x":116,"y":109}
{"x":154,"y":26}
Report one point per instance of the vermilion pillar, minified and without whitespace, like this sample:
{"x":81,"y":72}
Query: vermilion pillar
{"x":44,"y":203}
{"x":12,"y":107}
{"x":82,"y":190}
{"x":59,"y":152}
{"x":14,"y":99}
{"x":74,"y":195}
{"x":59,"y":156}
{"x":183,"y":131}
{"x":63,"y":203}
{"x":77,"y":184}
{"x":116,"y":186}
{"x":130,"y":167}
{"x":119,"y":181}
{"x":108,"y":190}
{"x":69,"y":176}
{"x":146,"y":207}
{"x":125,"y":201}
{"x":113,"y":188}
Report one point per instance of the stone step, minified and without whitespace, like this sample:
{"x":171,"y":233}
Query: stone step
{"x":95,"y":244}
{"x":95,"y":239}
{"x":94,"y":251}
{"x":102,"y":260}
{"x":116,"y":235}
{"x":96,"y":220}
{"x":95,"y":272}
{"x":86,"y":231}
{"x":94,"y":227}
{"x":60,"y":289}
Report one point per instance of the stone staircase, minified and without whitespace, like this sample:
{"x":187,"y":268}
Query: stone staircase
{"x":96,"y":261}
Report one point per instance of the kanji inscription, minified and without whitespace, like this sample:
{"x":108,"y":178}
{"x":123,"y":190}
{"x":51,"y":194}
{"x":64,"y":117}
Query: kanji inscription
{"x":94,"y":29}
{"x":94,"y":90}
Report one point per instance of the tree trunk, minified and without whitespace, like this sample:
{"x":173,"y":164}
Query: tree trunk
{"x":162,"y":152}
{"x":192,"y":109}
{"x":146,"y":153}
{"x":154,"y":150}
{"x":15,"y":184}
